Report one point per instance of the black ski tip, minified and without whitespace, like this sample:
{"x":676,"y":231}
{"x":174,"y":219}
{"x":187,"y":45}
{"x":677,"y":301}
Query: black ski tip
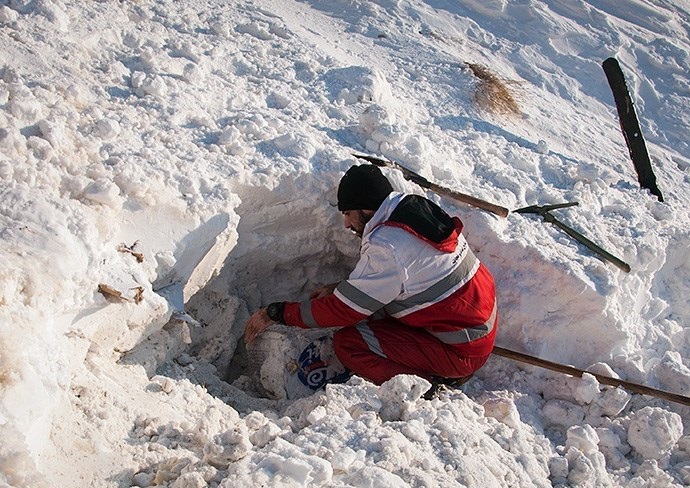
{"x":610,"y":62}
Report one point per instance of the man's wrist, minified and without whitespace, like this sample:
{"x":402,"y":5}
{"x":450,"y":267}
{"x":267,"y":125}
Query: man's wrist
{"x":275,"y":311}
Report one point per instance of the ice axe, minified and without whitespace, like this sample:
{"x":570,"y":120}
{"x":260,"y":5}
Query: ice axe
{"x":544,"y":211}
{"x":424,"y":183}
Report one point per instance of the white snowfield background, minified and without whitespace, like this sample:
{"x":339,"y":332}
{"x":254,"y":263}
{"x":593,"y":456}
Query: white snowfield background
{"x":168,"y":167}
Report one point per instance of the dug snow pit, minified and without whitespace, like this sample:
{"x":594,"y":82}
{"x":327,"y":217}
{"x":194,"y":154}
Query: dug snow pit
{"x":294,"y":363}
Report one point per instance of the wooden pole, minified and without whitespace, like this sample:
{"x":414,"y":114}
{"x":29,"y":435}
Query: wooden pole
{"x":424,"y":183}
{"x":605,"y":380}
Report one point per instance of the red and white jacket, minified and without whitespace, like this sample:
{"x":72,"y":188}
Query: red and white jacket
{"x":415,"y":265}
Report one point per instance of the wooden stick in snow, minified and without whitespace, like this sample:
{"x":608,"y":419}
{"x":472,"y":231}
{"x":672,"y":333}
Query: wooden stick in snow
{"x":604,"y":380}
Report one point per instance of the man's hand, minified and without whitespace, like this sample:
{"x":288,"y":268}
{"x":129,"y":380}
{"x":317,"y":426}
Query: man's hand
{"x":323,"y":291}
{"x":256,"y":324}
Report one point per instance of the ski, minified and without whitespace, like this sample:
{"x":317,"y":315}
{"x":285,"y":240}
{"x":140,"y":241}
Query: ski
{"x":631,"y":127}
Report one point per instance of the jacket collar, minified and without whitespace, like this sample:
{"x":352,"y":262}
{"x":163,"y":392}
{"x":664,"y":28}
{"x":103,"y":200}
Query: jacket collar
{"x":383,"y":213}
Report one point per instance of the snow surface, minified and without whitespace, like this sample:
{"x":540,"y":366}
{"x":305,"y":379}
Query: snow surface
{"x":208,"y":138}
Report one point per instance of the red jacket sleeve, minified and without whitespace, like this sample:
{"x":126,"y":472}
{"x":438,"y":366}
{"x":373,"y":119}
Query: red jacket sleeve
{"x":328,"y":311}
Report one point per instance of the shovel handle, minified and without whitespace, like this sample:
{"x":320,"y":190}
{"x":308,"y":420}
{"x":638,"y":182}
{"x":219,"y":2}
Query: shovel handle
{"x":603,"y":379}
{"x":470,"y":200}
{"x":441,"y":190}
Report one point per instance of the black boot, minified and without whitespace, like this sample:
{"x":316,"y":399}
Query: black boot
{"x":438,"y":383}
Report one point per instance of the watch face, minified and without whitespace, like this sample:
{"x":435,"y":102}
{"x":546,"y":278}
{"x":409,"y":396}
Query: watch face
{"x":272,"y":312}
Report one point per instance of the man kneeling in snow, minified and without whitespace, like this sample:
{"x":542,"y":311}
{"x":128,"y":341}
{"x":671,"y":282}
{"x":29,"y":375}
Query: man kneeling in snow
{"x":418,"y":302}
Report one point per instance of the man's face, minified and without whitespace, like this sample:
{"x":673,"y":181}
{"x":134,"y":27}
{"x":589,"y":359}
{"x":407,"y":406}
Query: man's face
{"x":355,"y":220}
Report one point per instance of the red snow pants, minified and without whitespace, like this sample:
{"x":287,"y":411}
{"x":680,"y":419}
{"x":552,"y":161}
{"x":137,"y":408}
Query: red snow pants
{"x":381,"y":349}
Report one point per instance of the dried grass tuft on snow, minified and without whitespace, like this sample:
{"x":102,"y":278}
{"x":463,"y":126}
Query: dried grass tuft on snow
{"x":492,"y":92}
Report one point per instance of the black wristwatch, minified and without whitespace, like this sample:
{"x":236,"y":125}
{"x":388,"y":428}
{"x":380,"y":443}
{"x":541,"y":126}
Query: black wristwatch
{"x":275,"y":311}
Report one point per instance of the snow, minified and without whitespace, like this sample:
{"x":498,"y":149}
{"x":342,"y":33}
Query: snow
{"x":208,"y":137}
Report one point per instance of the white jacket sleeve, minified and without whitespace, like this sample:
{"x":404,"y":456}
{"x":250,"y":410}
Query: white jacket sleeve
{"x":375,"y":281}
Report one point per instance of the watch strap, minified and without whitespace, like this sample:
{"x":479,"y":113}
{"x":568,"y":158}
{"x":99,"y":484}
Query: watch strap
{"x":275,"y":311}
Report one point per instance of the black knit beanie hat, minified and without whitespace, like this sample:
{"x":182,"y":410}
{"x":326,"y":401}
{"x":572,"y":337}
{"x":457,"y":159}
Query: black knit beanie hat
{"x":363,"y":187}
